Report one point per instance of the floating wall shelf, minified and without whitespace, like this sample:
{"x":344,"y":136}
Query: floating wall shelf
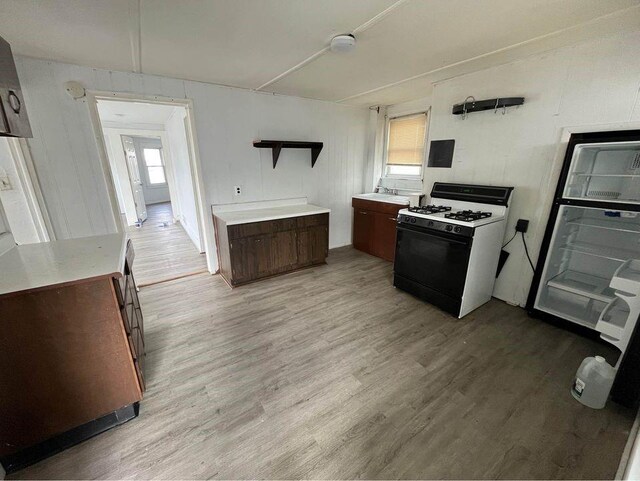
{"x":488,"y":104}
{"x":277,"y":145}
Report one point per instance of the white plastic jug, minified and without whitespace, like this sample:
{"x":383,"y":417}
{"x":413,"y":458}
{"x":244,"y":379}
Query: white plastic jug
{"x":593,"y":382}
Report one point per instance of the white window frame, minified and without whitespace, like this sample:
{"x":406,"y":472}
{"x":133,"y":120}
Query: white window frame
{"x":148,"y":183}
{"x":385,"y":167}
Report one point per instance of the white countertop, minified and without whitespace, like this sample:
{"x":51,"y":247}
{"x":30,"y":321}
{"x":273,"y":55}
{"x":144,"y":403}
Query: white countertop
{"x":388,"y":198}
{"x":50,"y":263}
{"x":270,"y":213}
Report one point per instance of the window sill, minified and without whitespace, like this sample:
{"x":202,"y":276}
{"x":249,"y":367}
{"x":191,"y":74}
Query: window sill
{"x":403,"y":177}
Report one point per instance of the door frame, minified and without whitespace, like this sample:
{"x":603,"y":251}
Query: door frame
{"x":205,"y":222}
{"x":27,"y":179}
{"x":166,"y":156}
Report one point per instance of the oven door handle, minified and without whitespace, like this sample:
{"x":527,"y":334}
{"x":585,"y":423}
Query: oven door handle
{"x":441,"y":235}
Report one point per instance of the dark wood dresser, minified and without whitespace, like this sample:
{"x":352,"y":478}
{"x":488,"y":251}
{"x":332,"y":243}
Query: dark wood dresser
{"x":71,"y":352}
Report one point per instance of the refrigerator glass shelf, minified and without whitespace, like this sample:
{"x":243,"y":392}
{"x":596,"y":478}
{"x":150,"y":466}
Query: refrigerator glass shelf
{"x":619,"y":226}
{"x":581,"y":174}
{"x":584,"y":285}
{"x":602,"y":198}
{"x":558,"y":308}
{"x":605,"y":252}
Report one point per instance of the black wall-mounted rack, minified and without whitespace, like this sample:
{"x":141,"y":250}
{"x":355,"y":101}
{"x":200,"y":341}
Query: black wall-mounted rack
{"x":488,"y":104}
{"x":277,"y":145}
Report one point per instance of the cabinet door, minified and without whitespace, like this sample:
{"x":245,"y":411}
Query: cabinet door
{"x":243,"y":259}
{"x":383,"y":238}
{"x":284,"y":251}
{"x":313,"y":245}
{"x":362,"y":229}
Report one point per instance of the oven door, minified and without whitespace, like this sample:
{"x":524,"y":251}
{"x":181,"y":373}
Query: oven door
{"x":433,"y":259}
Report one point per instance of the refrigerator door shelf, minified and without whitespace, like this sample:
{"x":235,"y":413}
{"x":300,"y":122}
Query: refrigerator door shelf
{"x":618,"y":321}
{"x":627,"y":277}
{"x":613,"y":320}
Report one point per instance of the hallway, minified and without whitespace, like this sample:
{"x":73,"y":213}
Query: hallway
{"x":163,"y":253}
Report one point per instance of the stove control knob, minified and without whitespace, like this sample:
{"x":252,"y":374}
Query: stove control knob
{"x":413,"y":220}
{"x":457,"y":228}
{"x":449,"y":227}
{"x":406,"y":218}
{"x":430,"y":223}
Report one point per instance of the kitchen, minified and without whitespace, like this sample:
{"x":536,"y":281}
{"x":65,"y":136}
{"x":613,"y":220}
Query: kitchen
{"x":345,"y":313}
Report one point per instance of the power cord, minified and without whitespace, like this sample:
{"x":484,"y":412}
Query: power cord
{"x":526,"y":251}
{"x":512,"y":237}
{"x":521,"y":227}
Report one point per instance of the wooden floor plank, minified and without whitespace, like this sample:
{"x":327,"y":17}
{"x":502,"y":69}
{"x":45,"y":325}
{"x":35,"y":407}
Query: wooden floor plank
{"x":331,"y":373}
{"x":163,"y":248}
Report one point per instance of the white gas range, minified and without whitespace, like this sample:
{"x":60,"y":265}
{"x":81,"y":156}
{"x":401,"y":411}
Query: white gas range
{"x":447,"y":253}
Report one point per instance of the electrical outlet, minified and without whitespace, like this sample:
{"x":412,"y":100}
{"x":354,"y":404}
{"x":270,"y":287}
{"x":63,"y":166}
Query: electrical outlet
{"x":522,"y":225}
{"x":237,"y":190}
{"x":5,"y":183}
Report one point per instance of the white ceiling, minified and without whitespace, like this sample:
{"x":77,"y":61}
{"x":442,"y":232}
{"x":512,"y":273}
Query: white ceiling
{"x":281,"y":45}
{"x":133,"y":112}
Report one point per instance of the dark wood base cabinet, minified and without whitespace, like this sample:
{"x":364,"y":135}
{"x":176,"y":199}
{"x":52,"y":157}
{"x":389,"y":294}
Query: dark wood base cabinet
{"x":374,"y":227}
{"x":71,"y":364}
{"x":256,"y":250}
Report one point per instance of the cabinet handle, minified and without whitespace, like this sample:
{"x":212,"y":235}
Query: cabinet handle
{"x":363,"y":212}
{"x":393,"y":218}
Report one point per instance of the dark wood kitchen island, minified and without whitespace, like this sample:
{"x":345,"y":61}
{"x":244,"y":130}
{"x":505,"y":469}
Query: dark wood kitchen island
{"x":71,"y":345}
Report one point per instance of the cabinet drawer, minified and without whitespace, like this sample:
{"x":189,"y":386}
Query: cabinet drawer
{"x":260,"y":228}
{"x":139,"y":365}
{"x":119,"y":289}
{"x":129,"y":256}
{"x":126,"y":321}
{"x":373,"y":206}
{"x":136,"y":345}
{"x":312,"y":220}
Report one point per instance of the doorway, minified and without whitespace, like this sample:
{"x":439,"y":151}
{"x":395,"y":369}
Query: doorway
{"x":156,"y":188}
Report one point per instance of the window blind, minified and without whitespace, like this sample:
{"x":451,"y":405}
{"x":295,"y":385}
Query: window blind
{"x":406,"y":140}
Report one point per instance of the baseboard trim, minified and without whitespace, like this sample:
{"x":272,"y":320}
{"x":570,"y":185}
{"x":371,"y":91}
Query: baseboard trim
{"x":31,"y":455}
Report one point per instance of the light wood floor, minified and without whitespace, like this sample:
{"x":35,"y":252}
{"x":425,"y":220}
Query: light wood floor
{"x":332,"y":373}
{"x":163,"y":252}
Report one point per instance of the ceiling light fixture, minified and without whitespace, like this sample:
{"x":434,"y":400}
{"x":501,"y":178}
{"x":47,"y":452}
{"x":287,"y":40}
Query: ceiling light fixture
{"x":343,"y":43}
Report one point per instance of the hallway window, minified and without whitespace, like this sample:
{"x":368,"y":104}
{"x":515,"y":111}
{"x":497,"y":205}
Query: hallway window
{"x":155,"y":168}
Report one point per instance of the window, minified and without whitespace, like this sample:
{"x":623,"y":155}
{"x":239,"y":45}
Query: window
{"x":406,"y":137}
{"x":155,"y":169}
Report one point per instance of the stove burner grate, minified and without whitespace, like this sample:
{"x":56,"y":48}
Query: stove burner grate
{"x":468,"y":215}
{"x":430,"y":209}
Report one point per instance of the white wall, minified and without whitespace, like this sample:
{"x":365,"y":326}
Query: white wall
{"x":227,"y":121}
{"x":14,"y":201}
{"x":185,"y":195}
{"x":588,"y":84}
